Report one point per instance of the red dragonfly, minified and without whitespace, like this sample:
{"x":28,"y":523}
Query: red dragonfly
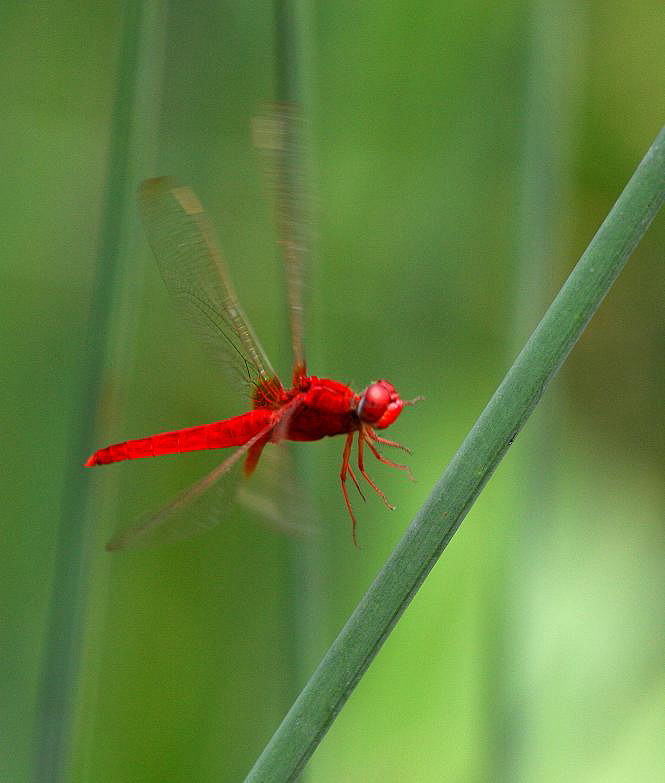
{"x":191,"y":264}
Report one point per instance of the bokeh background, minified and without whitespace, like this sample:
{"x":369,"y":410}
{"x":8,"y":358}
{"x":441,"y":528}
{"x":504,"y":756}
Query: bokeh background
{"x":464,"y":154}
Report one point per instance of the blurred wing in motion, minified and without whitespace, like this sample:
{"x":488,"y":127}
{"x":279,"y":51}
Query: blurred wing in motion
{"x":193,"y":511}
{"x":279,"y":135}
{"x":191,"y":264}
{"x":276,"y":498}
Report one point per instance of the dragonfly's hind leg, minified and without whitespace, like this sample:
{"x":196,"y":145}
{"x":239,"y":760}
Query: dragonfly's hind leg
{"x":356,"y":482}
{"x":254,"y":454}
{"x":345,"y":469}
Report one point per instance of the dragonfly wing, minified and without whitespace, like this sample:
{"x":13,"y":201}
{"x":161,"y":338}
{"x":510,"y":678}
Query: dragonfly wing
{"x":279,"y":135}
{"x":188,"y":256}
{"x":276,"y":497}
{"x":191,"y":512}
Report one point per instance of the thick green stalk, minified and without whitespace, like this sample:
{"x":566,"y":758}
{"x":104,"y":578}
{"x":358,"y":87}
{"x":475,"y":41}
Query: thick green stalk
{"x":134,"y":102}
{"x":351,"y":653}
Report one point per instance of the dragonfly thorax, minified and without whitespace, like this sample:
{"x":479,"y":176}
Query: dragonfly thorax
{"x":379,"y":405}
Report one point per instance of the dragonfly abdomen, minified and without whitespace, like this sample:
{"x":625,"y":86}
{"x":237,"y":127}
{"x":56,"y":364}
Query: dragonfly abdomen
{"x":217,"y":435}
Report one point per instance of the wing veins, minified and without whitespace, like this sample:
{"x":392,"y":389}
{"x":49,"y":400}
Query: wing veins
{"x":192,"y":266}
{"x":139,"y":533}
{"x":209,"y":312}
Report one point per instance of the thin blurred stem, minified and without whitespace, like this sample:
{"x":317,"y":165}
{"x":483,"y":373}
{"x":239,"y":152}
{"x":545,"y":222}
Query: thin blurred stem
{"x":293,"y":62}
{"x":452,"y":497}
{"x":69,"y":593}
{"x":289,"y":24}
{"x":554,"y":69}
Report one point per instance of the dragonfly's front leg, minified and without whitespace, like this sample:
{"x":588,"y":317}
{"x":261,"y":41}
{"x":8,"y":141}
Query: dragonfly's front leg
{"x":386,"y":442}
{"x":362,"y":437}
{"x":371,"y":434}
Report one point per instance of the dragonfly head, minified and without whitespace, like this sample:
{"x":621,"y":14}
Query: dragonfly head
{"x":379,"y":405}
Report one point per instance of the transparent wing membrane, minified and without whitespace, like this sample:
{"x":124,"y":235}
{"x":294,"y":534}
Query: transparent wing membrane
{"x":191,"y":264}
{"x":190,"y":261}
{"x":276,"y":497}
{"x":279,"y":135}
{"x":191,"y":512}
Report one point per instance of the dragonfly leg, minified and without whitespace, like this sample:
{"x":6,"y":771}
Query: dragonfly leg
{"x":385,"y":461}
{"x":356,"y":482}
{"x":254,"y":454}
{"x":387,"y":442}
{"x":361,"y":467}
{"x":342,"y":475}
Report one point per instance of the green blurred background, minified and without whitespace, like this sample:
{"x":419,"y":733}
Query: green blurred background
{"x":464,"y":155}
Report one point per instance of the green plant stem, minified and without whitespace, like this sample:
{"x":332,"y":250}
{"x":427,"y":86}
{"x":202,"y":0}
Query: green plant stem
{"x":305,"y":596}
{"x":358,"y":642}
{"x":70,"y":587}
{"x":557,"y":43}
{"x":302,"y":598}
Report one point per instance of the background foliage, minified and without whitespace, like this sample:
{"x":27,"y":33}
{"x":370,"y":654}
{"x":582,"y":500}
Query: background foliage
{"x":465,"y":154}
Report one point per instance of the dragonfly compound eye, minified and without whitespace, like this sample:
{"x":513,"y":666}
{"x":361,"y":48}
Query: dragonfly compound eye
{"x":375,"y":401}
